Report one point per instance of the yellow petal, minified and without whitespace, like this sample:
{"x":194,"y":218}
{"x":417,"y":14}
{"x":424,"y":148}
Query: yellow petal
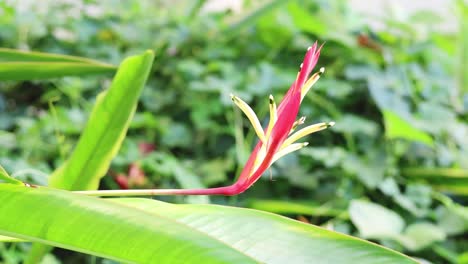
{"x":312,"y":80}
{"x":304,"y":132}
{"x":273,"y":116}
{"x":297,"y":123}
{"x":259,"y":159}
{"x":251,"y":116}
{"x":287,"y":150}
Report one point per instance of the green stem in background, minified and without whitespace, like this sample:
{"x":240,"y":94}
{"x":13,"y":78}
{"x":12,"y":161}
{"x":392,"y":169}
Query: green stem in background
{"x":435,"y":172}
{"x":445,"y":253}
{"x":446,"y":179}
{"x":254,"y":16}
{"x":443,"y":199}
{"x":93,"y":260}
{"x":241,"y":153}
{"x":36,"y":253}
{"x":239,"y":136}
{"x":195,"y":9}
{"x":335,"y":114}
{"x":463,"y":46}
{"x":58,"y":136}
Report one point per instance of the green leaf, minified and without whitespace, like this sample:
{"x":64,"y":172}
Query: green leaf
{"x":304,"y":20}
{"x":148,"y":231}
{"x":420,"y":235}
{"x":375,"y":221}
{"x":100,"y":227}
{"x":19,"y":71}
{"x":370,"y":170}
{"x":30,"y":56}
{"x":450,"y":221}
{"x":16,"y":65}
{"x":104,"y":132}
{"x":251,"y":18}
{"x":4,"y":176}
{"x":106,"y":127}
{"x":397,"y":127}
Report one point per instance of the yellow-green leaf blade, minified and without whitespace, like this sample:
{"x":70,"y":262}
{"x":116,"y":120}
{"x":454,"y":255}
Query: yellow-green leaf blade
{"x":149,"y":231}
{"x":32,"y":56}
{"x":106,"y":229}
{"x":397,"y":127}
{"x":19,"y":71}
{"x":270,"y":238}
{"x":106,"y":127}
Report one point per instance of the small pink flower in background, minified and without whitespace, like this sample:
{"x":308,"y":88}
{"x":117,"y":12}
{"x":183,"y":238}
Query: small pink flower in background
{"x":146,"y":148}
{"x":121,"y":180}
{"x":135,"y":177}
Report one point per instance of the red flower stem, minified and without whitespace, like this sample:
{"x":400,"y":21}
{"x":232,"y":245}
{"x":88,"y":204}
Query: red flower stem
{"x":226,"y":190}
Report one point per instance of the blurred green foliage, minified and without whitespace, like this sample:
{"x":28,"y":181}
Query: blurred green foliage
{"x":387,"y":171}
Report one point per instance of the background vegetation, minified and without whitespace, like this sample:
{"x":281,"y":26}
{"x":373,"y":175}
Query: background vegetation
{"x":394,"y":168}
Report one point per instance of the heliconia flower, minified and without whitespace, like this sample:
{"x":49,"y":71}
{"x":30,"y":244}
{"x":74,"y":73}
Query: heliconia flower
{"x":275,"y":141}
{"x":278,"y":139}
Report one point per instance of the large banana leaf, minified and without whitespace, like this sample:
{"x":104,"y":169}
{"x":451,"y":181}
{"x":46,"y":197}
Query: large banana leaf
{"x":16,"y":65}
{"x":148,"y":231}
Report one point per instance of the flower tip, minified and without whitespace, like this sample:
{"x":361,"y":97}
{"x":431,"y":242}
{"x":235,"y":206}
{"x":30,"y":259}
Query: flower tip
{"x":305,"y":144}
{"x":272,"y":100}
{"x":322,"y":70}
{"x":233,"y":97}
{"x":314,"y":46}
{"x":330,"y":124}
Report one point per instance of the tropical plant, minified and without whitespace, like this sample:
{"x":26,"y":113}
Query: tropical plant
{"x":396,"y":156}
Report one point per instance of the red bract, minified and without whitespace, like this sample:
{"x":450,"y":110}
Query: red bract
{"x":278,"y":138}
{"x":275,"y":142}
